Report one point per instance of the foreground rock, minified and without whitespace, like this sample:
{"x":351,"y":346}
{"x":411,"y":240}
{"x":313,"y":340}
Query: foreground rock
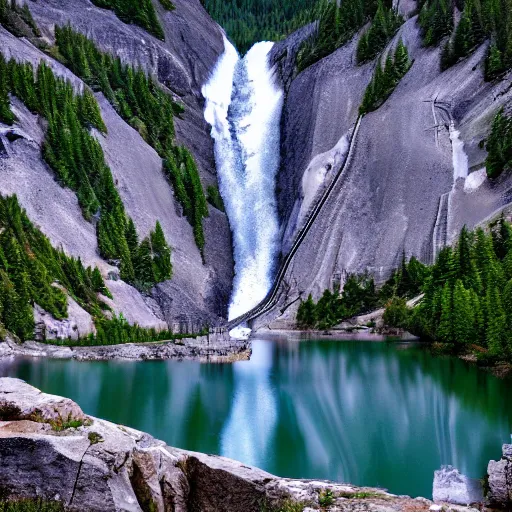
{"x":212,"y":348}
{"x":453,"y":487}
{"x":49,"y":449}
{"x":500,"y":480}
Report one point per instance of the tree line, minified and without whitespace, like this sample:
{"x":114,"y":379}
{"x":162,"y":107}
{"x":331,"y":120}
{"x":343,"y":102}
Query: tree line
{"x":247,"y":22}
{"x":384,"y":25}
{"x":337,"y":24}
{"x":79,"y":163}
{"x":466,"y":303}
{"x":31,"y":269}
{"x":117,"y":330}
{"x":140,"y":12}
{"x":480,"y":20}
{"x":142,"y":103}
{"x":386,"y":78}
{"x":499,"y":145}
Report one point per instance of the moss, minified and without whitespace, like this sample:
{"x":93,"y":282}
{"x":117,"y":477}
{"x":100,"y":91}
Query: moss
{"x":30,"y":505}
{"x":360,"y":495}
{"x":95,"y":438}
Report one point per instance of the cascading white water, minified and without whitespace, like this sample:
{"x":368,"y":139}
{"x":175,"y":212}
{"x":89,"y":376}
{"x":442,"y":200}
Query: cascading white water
{"x":243,"y":106}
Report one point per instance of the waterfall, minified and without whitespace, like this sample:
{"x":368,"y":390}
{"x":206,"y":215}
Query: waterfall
{"x":243,"y":107}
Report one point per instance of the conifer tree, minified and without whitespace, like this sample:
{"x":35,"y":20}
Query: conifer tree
{"x":445,"y":331}
{"x":162,"y":267}
{"x":463,"y":315}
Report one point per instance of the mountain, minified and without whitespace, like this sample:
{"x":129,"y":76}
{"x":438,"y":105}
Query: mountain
{"x":199,"y":290}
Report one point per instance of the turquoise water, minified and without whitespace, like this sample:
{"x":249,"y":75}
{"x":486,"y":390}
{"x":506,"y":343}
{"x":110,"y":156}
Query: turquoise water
{"x":379,"y":414}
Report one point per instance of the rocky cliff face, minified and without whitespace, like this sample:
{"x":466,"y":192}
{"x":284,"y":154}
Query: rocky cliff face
{"x":403,"y":187}
{"x":198,"y":292}
{"x":51,"y":450}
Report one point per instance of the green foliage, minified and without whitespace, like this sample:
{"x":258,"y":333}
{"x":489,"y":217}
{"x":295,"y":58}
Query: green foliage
{"x":468,"y":296}
{"x":397,"y":313}
{"x":385,"y":79}
{"x":358,"y":296}
{"x":436,"y":21}
{"x":6,"y":116}
{"x":31,"y":505}
{"x":167,"y":4}
{"x":325,"y":498}
{"x":499,"y":145}
{"x":140,"y":12}
{"x":30,"y":268}
{"x":248,"y":21}
{"x":384,"y":25}
{"x":184,"y":176}
{"x":480,"y":20}
{"x":18,"y":20}
{"x":142,"y":103}
{"x":77,"y":157}
{"x":116,"y":330}
{"x":214,"y":198}
{"x":337,"y":24}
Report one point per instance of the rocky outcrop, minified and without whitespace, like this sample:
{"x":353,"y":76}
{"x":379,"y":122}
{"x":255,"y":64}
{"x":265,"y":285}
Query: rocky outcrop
{"x":211,"y":348}
{"x":453,"y":487}
{"x":199,"y":291}
{"x":51,"y":450}
{"x":400,"y":182}
{"x":500,"y":480}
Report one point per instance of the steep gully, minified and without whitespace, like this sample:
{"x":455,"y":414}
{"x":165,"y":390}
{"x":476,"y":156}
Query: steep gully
{"x":243,"y":106}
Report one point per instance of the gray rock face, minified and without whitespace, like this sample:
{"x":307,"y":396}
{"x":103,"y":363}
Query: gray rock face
{"x":452,"y":487}
{"x":500,"y":480}
{"x":388,"y":199}
{"x":103,"y":467}
{"x":213,"y":348}
{"x":199,"y":292}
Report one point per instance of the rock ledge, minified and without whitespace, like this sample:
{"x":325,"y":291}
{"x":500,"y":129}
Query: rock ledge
{"x":99,"y":466}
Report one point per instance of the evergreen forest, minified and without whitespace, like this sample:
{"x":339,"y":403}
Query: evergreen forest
{"x":78,"y":161}
{"x":247,"y":22}
{"x":149,"y":109}
{"x":466,"y":300}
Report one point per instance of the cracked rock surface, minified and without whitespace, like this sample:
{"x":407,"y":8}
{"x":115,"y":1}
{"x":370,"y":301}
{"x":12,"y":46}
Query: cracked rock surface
{"x":103,"y":467}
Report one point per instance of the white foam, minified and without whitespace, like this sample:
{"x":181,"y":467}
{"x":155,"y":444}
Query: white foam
{"x":243,"y":106}
{"x":475,"y":180}
{"x":459,"y":157}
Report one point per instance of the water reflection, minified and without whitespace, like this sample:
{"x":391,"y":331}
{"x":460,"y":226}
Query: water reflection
{"x":376,"y":414}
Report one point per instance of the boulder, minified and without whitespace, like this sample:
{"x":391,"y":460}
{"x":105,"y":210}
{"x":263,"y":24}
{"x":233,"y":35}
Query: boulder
{"x":451,"y":486}
{"x":500,"y":480}
{"x":103,"y":467}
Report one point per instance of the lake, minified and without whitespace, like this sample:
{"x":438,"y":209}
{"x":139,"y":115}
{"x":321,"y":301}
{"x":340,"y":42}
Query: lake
{"x":384,"y":414}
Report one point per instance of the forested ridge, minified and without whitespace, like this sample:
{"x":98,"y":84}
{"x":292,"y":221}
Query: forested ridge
{"x":247,"y":22}
{"x":142,"y":103}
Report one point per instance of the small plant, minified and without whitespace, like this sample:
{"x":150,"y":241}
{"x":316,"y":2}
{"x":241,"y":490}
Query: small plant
{"x":361,"y":495}
{"x":61,"y":423}
{"x":287,"y":505}
{"x":95,"y":438}
{"x":30,"y":505}
{"x":325,"y":498}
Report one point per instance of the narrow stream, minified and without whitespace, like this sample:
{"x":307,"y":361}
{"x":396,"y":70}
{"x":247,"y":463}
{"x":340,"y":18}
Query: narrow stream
{"x":243,"y":106}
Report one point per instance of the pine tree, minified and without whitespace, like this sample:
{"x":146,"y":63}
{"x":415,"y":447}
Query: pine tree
{"x":463,"y":319}
{"x":162,"y":266}
{"x":306,"y":314}
{"x":496,"y":334}
{"x":445,"y":331}
{"x":143,"y":265}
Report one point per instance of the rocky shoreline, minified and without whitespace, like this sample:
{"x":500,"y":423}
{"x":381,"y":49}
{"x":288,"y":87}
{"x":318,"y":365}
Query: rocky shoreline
{"x":213,"y":348}
{"x":51,"y":451}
